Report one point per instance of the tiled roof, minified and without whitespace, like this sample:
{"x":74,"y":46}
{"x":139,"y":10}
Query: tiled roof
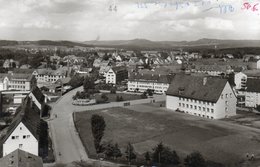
{"x":192,"y":87}
{"x":28,"y":116}
{"x":16,"y":76}
{"x":150,"y":78}
{"x":38,"y":94}
{"x":253,"y":85}
{"x":20,"y":158}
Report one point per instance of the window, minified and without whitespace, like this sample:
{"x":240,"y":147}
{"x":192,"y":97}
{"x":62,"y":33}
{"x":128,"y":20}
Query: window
{"x":212,"y":110}
{"x":226,"y":109}
{"x":226,"y":102}
{"x":28,"y":136}
{"x":226,"y":95}
{"x":204,"y":109}
{"x":207,"y":116}
{"x":21,"y":128}
{"x":183,"y":105}
{"x":207,"y":109}
{"x":203,"y":116}
{"x":13,"y":137}
{"x":20,"y":145}
{"x":187,"y":105}
{"x":179,"y":104}
{"x":221,"y":96}
{"x":211,"y":117}
{"x":199,"y":108}
{"x":179,"y":98}
{"x":191,"y":106}
{"x":230,"y":95}
{"x":195,"y":107}
{"x":16,"y":137}
{"x":24,"y":136}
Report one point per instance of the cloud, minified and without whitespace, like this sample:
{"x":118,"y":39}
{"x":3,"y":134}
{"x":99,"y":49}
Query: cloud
{"x":218,"y":24}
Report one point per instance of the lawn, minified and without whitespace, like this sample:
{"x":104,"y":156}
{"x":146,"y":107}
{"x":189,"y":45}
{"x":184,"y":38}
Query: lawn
{"x":113,"y":97}
{"x":145,"y":126}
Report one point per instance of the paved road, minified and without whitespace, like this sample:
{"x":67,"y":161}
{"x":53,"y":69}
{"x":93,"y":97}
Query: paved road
{"x":67,"y":144}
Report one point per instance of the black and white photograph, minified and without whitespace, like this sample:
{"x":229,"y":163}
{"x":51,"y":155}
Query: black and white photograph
{"x":129,"y":83}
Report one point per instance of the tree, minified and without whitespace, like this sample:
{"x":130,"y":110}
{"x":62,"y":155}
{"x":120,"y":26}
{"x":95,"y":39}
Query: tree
{"x":98,"y":126}
{"x":129,"y":153}
{"x":104,"y":97}
{"x":164,"y":155}
{"x":195,"y":159}
{"x":144,"y":95}
{"x":88,"y":84}
{"x":116,"y":151}
{"x":113,"y":90}
{"x":76,"y":81}
{"x":147,"y":158}
{"x":149,"y":92}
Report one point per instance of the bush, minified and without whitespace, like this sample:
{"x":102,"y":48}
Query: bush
{"x":113,"y":90}
{"x":81,"y":95}
{"x":144,"y":95}
{"x":195,"y":159}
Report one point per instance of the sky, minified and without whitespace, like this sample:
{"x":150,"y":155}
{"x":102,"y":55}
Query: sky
{"x":157,"y":20}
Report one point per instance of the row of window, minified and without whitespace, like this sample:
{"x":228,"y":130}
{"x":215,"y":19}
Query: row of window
{"x":24,"y":137}
{"x":196,"y":101}
{"x":17,"y":86}
{"x":201,"y":115}
{"x":226,"y":95}
{"x":196,"y":107}
{"x":17,"y":82}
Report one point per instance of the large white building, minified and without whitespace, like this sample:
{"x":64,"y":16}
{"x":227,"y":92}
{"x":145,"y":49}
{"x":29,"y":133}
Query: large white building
{"x":142,"y":82}
{"x":24,"y":131}
{"x":252,"y":92}
{"x":14,"y":81}
{"x":116,"y":74}
{"x":240,"y":80}
{"x":208,"y":97}
{"x":48,"y":75}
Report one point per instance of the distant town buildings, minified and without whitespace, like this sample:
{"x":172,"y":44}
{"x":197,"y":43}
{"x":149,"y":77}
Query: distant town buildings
{"x":48,"y":75}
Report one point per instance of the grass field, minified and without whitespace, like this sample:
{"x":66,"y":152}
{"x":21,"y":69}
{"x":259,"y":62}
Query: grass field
{"x":146,"y":125}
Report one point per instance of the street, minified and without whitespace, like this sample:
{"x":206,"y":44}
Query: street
{"x":66,"y":142}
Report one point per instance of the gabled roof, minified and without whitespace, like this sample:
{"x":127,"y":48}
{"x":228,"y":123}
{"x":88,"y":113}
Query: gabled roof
{"x":20,"y":158}
{"x":253,"y":85}
{"x":17,"y":76}
{"x":192,"y":87}
{"x":28,"y":117}
{"x":38,"y":94}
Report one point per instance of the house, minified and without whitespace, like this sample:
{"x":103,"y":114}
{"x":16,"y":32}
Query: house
{"x":24,"y":131}
{"x":116,"y":74}
{"x":37,"y":98}
{"x":10,"y":63}
{"x":97,"y":62}
{"x":254,"y":63}
{"x":141,"y":82}
{"x":20,"y":158}
{"x":48,"y":75}
{"x":252,"y":92}
{"x":208,"y":97}
{"x":15,"y":81}
{"x":240,"y":80}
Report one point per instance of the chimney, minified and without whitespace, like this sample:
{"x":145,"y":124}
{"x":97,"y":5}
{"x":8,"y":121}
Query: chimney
{"x":204,"y":80}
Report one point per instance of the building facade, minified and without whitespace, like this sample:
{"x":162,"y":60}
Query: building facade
{"x":48,"y":75}
{"x":21,"y":82}
{"x":116,"y":74}
{"x":206,"y":97}
{"x":142,"y":82}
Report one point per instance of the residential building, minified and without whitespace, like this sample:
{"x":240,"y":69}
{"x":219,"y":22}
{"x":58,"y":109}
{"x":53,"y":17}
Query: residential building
{"x":15,"y":81}
{"x":240,"y":80}
{"x":20,"y":158}
{"x":252,"y":92}
{"x":208,"y":97}
{"x":116,"y":74}
{"x":10,"y":63}
{"x":24,"y":131}
{"x":142,"y":82}
{"x":48,"y":75}
{"x":37,"y":98}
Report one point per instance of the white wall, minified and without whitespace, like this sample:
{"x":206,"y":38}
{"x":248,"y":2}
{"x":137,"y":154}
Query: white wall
{"x":238,"y":79}
{"x":252,"y":99}
{"x":221,"y":105}
{"x":28,"y":144}
{"x":36,"y":102}
{"x":172,"y":102}
{"x":110,"y":77}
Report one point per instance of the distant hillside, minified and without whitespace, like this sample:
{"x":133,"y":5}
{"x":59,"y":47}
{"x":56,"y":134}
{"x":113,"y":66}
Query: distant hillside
{"x":204,"y":43}
{"x":43,"y":42}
